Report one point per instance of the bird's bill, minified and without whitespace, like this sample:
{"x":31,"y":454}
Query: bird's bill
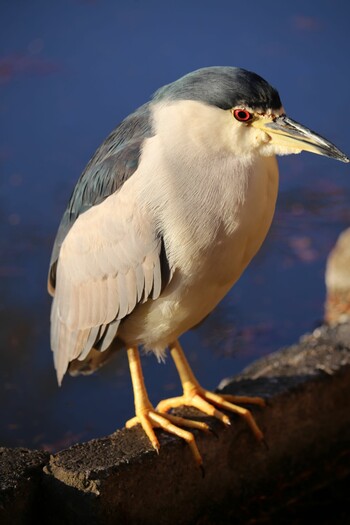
{"x":288,"y":133}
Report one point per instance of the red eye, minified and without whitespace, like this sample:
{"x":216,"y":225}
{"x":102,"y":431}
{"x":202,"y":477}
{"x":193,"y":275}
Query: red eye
{"x":242,"y":115}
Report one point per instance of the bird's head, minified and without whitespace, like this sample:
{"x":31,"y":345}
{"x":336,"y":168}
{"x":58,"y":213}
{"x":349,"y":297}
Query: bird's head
{"x":255,"y":119}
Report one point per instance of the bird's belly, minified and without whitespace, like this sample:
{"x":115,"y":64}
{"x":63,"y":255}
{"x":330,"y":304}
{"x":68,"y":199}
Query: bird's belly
{"x":191,"y":297}
{"x":204,"y":276}
{"x":215,"y":275}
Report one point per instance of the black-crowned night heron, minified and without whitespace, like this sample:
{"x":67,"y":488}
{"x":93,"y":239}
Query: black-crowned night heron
{"x":162,"y":222}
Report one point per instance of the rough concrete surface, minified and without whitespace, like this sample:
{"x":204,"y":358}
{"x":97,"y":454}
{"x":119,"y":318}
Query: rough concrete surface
{"x":20,"y":476}
{"x":303,"y":468}
{"x":120,"y":479}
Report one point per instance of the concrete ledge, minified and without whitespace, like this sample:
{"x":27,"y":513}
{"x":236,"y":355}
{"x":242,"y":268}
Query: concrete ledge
{"x":302,"y":476}
{"x":120,"y":479}
{"x":20,"y":478}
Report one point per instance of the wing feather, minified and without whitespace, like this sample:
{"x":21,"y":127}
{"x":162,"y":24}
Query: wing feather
{"x":140,"y":281}
{"x":157,"y":278}
{"x":85,"y":344}
{"x":110,"y":261}
{"x":113,"y":163}
{"x":111,"y":331}
{"x":108,"y":256}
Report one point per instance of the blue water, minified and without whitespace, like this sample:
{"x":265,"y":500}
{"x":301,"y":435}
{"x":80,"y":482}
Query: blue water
{"x":69,"y":72}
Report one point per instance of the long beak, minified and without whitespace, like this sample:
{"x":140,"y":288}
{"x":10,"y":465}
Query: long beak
{"x":286,"y":132}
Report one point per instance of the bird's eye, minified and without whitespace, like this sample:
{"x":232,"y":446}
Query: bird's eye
{"x":242,"y":115}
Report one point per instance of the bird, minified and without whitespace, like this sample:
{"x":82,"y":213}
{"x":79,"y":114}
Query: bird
{"x":161,"y":224}
{"x":337,"y":278}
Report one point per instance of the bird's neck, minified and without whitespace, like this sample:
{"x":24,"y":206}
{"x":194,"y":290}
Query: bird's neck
{"x":203,"y":187}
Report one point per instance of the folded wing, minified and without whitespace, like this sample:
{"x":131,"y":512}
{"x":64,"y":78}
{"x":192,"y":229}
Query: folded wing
{"x":108,"y":256}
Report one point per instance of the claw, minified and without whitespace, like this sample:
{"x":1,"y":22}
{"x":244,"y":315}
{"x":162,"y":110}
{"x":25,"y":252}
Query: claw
{"x":244,"y":399}
{"x":149,"y":418}
{"x":194,"y":396}
{"x":208,"y":402}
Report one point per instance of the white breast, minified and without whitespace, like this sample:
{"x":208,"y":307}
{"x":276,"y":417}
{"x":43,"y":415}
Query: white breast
{"x":214,"y":210}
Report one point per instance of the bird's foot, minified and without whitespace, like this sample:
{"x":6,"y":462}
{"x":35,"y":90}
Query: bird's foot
{"x":206,"y":401}
{"x":150,"y":418}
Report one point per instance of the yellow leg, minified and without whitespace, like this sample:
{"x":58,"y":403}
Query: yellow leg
{"x":149,"y":418}
{"x":196,"y":396}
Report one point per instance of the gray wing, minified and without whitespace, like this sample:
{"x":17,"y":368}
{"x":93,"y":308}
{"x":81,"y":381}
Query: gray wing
{"x":112,"y":164}
{"x":108,"y":257}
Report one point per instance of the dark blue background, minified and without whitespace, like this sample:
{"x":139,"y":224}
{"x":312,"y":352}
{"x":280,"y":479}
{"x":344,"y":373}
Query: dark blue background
{"x":69,"y":72}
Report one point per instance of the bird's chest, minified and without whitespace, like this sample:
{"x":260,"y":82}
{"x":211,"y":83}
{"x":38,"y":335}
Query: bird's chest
{"x":211,"y":232}
{"x":231,"y":222}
